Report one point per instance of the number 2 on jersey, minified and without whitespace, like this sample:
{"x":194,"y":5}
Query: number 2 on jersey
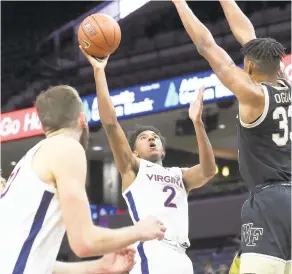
{"x":168,"y":202}
{"x":281,"y":114}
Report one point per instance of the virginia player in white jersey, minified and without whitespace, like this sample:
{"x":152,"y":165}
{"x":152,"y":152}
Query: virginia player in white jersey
{"x":148,"y":187}
{"x":45,"y":195}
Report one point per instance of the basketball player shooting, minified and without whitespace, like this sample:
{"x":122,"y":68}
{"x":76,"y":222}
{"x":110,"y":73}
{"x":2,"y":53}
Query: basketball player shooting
{"x":264,"y":135}
{"x":45,"y":195}
{"x":151,"y":189}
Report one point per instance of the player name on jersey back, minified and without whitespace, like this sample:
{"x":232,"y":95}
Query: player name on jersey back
{"x":283,"y":97}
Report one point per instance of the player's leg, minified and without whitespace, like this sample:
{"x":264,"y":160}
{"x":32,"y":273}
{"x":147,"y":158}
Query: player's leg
{"x":235,"y":266}
{"x":265,"y":232}
{"x":288,"y":268}
{"x":256,"y":263}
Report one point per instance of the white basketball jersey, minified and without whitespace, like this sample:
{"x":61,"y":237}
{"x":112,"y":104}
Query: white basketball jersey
{"x":160,"y":192}
{"x":31,"y":227}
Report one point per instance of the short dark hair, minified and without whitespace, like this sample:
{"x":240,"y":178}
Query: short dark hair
{"x":266,"y":53}
{"x":59,"y":107}
{"x":132,"y":135}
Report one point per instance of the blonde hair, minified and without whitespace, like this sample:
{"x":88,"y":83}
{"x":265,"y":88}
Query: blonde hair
{"x":59,"y":107}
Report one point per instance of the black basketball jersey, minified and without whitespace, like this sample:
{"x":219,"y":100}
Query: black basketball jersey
{"x":265,"y":145}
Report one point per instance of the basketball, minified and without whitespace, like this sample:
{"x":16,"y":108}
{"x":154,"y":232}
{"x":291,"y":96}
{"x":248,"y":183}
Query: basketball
{"x":99,"y":35}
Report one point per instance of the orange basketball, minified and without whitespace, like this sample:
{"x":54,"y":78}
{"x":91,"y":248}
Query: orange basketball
{"x":99,"y":35}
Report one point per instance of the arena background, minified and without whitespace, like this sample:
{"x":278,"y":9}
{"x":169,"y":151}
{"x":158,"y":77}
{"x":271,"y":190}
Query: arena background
{"x":152,"y":78}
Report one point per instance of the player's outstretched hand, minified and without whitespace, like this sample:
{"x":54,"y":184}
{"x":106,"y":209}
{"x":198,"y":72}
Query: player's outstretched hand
{"x":196,"y":107}
{"x":96,"y":63}
{"x":117,"y":263}
{"x":150,"y":229}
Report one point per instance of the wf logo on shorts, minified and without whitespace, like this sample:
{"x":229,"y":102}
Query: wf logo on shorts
{"x":251,"y":234}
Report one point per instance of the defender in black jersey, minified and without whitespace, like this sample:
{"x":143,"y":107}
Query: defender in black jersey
{"x":264,"y":136}
{"x":265,"y":145}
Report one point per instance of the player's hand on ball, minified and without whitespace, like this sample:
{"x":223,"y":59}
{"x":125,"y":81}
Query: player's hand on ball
{"x":150,"y":229}
{"x":118,"y":262}
{"x":96,"y":63}
{"x":196,"y":107}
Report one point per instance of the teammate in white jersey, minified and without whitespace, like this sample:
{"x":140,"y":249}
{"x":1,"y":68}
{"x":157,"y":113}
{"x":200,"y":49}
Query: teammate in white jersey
{"x":112,"y":263}
{"x":148,"y":187}
{"x":45,"y":195}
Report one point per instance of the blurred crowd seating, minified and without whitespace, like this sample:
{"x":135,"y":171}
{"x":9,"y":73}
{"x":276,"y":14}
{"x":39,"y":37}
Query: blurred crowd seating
{"x":163,"y":49}
{"x":210,"y":261}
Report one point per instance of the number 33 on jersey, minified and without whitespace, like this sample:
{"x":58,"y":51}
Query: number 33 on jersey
{"x":283,"y":116}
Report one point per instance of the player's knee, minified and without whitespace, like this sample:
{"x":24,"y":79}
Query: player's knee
{"x":261,"y":264}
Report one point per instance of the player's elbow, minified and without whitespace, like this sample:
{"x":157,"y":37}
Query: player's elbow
{"x":93,"y":243}
{"x":209,"y":176}
{"x":80,"y":248}
{"x":80,"y":243}
{"x":110,"y":125}
{"x":205,"y":45}
{"x":210,"y":173}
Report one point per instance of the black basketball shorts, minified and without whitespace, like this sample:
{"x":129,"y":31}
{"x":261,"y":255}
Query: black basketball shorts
{"x":266,"y":222}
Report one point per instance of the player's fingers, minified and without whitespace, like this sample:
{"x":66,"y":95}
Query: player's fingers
{"x":131,"y":257}
{"x":201,"y":93}
{"x":132,"y":266}
{"x":106,"y":58}
{"x":83,"y":51}
{"x":160,"y":236}
{"x":162,"y":228}
{"x":130,"y":248}
{"x":202,"y":89}
{"x":159,"y":222}
{"x":132,"y":253}
{"x":129,"y":263}
{"x":129,"y":253}
{"x":89,"y":58}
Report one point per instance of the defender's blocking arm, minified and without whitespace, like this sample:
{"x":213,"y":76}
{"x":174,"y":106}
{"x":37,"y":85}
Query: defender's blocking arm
{"x":240,"y":25}
{"x":249,"y":94}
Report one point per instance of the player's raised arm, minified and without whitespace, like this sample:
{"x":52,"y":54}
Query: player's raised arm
{"x":85,"y":238}
{"x":249,"y":93}
{"x":124,"y":158}
{"x":199,"y":175}
{"x":240,"y":25}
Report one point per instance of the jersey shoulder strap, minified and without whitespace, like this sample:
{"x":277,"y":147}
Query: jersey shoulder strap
{"x":258,"y":121}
